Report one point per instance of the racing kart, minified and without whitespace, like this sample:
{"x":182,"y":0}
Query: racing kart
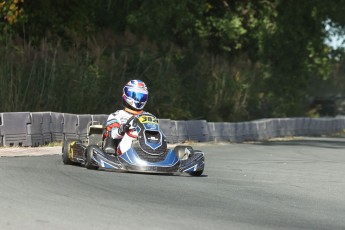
{"x":144,"y":149}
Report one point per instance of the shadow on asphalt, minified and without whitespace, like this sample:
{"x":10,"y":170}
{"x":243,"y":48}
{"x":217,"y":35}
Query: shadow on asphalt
{"x":140,"y":173}
{"x":319,"y":143}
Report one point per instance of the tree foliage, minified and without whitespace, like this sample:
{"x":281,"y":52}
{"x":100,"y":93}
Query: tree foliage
{"x":11,"y":12}
{"x":220,"y":60}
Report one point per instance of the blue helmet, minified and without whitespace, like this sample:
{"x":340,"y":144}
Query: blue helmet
{"x":135,"y":94}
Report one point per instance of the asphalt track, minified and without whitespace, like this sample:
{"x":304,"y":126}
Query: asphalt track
{"x":296,"y":184}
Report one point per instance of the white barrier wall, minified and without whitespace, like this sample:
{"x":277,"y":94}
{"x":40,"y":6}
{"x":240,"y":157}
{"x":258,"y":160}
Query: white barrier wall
{"x":40,"y":128}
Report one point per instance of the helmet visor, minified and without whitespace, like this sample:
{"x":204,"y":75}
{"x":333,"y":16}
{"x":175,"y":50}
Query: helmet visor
{"x":139,"y":98}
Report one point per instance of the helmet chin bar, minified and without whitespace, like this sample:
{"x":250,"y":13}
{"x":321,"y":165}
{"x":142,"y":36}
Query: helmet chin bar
{"x":130,"y":108}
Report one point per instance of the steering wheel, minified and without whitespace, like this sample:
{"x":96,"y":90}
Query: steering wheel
{"x":132,"y":119}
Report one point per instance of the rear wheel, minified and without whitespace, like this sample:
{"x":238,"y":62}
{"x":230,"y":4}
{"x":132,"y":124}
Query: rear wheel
{"x":66,"y":148}
{"x":88,"y":157}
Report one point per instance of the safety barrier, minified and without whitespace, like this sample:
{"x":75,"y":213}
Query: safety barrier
{"x":14,"y":129}
{"x":40,"y":128}
{"x":56,"y":126}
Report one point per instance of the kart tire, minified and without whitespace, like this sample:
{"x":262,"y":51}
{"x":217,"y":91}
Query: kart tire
{"x":197,"y":173}
{"x":88,"y":157}
{"x":65,"y":151}
{"x":180,"y":151}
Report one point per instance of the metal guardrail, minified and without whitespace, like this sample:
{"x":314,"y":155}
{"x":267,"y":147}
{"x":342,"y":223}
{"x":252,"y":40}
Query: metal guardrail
{"x":40,"y":128}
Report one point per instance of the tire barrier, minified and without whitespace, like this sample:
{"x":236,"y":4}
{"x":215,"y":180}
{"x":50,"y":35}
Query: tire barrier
{"x":40,"y":128}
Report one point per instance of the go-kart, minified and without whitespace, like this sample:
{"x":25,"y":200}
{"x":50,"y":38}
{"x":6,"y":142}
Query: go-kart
{"x":144,"y":149}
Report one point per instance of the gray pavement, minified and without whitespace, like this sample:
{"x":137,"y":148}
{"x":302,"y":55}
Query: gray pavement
{"x":290,"y":184}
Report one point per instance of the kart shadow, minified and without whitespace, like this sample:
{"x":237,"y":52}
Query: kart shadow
{"x":137,"y":173}
{"x":165,"y":174}
{"x":317,"y":143}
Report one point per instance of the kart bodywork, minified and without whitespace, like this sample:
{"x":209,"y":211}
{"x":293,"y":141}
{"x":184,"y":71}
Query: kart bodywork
{"x":145,"y":150}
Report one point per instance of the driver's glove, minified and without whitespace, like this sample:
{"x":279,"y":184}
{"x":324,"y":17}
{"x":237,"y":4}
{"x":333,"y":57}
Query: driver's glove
{"x":123,"y":129}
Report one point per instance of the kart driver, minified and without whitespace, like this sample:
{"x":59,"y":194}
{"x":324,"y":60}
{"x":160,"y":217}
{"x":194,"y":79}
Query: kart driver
{"x":134,"y":97}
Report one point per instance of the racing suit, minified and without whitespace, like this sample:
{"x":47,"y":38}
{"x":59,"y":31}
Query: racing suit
{"x":116,"y":142}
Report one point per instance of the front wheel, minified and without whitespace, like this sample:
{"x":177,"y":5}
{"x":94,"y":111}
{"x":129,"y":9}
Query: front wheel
{"x":192,"y":161}
{"x":88,"y":157}
{"x":198,"y":158}
{"x":197,"y":173}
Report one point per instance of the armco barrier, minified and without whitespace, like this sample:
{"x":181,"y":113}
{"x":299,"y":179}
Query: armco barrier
{"x":40,"y":128}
